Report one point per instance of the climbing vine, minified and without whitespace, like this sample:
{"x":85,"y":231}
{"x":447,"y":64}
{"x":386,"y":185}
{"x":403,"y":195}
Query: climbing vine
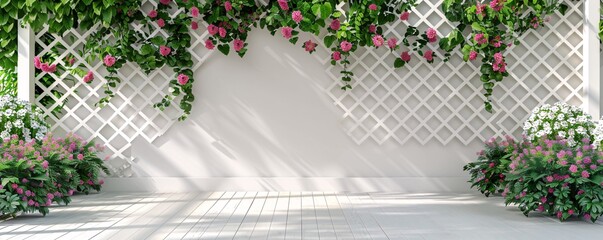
{"x":124,"y":32}
{"x":487,"y":30}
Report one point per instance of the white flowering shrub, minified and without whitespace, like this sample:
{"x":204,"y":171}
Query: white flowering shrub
{"x":598,"y":134}
{"x":22,"y":119}
{"x":559,"y":120}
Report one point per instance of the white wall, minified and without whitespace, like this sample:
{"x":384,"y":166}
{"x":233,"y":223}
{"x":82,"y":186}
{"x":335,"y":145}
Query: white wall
{"x":277,"y":120}
{"x":267,"y":116}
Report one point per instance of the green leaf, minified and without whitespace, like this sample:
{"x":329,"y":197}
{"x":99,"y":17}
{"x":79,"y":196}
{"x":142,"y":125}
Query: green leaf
{"x":399,"y":63}
{"x":147,"y":49}
{"x":224,"y":49}
{"x":325,"y":10}
{"x":329,"y":40}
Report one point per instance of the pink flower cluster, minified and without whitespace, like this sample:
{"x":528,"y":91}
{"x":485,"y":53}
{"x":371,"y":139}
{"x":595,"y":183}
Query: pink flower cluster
{"x":109,"y":60}
{"x":432,"y":35}
{"x":378,"y":40}
{"x":297,"y":16}
{"x":428,"y":55}
{"x":405,"y":56}
{"x":499,"y":64}
{"x":497,"y":5}
{"x":283,"y":5}
{"x":404,"y":16}
{"x":287,"y":32}
{"x":480,"y":39}
{"x":310,"y":46}
{"x":45,"y":67}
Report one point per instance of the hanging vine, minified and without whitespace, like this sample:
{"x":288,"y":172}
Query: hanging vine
{"x":125,"y":33}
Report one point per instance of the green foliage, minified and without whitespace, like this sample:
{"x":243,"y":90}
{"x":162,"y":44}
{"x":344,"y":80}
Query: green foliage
{"x":35,"y":174}
{"x":552,"y":177}
{"x":8,"y":82}
{"x":128,"y":35}
{"x":501,"y":27}
{"x":487,"y":172}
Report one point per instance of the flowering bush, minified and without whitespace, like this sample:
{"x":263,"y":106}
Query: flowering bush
{"x":21,"y":118}
{"x":561,"y":119}
{"x":487,"y":173}
{"x":35,"y":174}
{"x":554,"y":177}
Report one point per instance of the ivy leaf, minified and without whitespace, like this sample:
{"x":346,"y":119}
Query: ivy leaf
{"x":399,"y":63}
{"x":326,"y":10}
{"x":562,"y":8}
{"x":146,"y":49}
{"x":329,"y":40}
{"x":224,"y":49}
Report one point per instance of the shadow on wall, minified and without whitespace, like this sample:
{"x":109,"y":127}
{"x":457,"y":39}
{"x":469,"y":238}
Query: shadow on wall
{"x":266,"y":115}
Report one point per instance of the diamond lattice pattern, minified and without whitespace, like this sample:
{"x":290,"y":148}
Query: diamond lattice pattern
{"x":421,"y":102}
{"x":442,"y":102}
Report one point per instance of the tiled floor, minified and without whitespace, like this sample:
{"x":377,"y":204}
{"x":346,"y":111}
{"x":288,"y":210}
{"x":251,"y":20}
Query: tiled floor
{"x":291,"y":215}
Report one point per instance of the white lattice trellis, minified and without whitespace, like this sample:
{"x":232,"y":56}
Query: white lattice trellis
{"x":443,"y":101}
{"x":129,"y":115}
{"x":422,"y":102}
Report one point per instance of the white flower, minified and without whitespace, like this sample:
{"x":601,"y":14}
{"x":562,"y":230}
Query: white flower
{"x":4,"y":135}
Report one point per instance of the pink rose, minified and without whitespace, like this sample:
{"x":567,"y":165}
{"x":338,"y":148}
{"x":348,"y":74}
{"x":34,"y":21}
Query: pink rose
{"x":109,"y":60}
{"x":335,"y":24}
{"x":392,"y":43}
{"x":549,"y":178}
{"x":212,"y":29}
{"x":45,"y":164}
{"x":372,"y":28}
{"x":428,"y":55}
{"x":165,"y":50}
{"x":152,"y":13}
{"x":222,"y":32}
{"x":194,"y":25}
{"x":44,"y":67}
{"x":472,"y":55}
{"x":37,"y":62}
{"x":194,"y":12}
{"x":404,"y":16}
{"x":287,"y":32}
{"x":297,"y":16}
{"x":160,"y":22}
{"x":310,"y":46}
{"x":585,"y":174}
{"x":182,"y":79}
{"x":52,"y":68}
{"x":573,"y":168}
{"x":480,"y":38}
{"x":373,"y":7}
{"x":378,"y":40}
{"x":283,"y":4}
{"x":336,"y":56}
{"x":70,"y":192}
{"x":88,"y":77}
{"x":498,"y":57}
{"x":405,"y":56}
{"x":209,"y":44}
{"x":165,"y":2}
{"x":431,"y":34}
{"x":228,"y":6}
{"x":345,"y":46}
{"x":238,"y":44}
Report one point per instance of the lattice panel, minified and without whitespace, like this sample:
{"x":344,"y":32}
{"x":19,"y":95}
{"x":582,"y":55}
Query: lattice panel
{"x":130,"y":113}
{"x":421,"y":102}
{"x":443,"y":102}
